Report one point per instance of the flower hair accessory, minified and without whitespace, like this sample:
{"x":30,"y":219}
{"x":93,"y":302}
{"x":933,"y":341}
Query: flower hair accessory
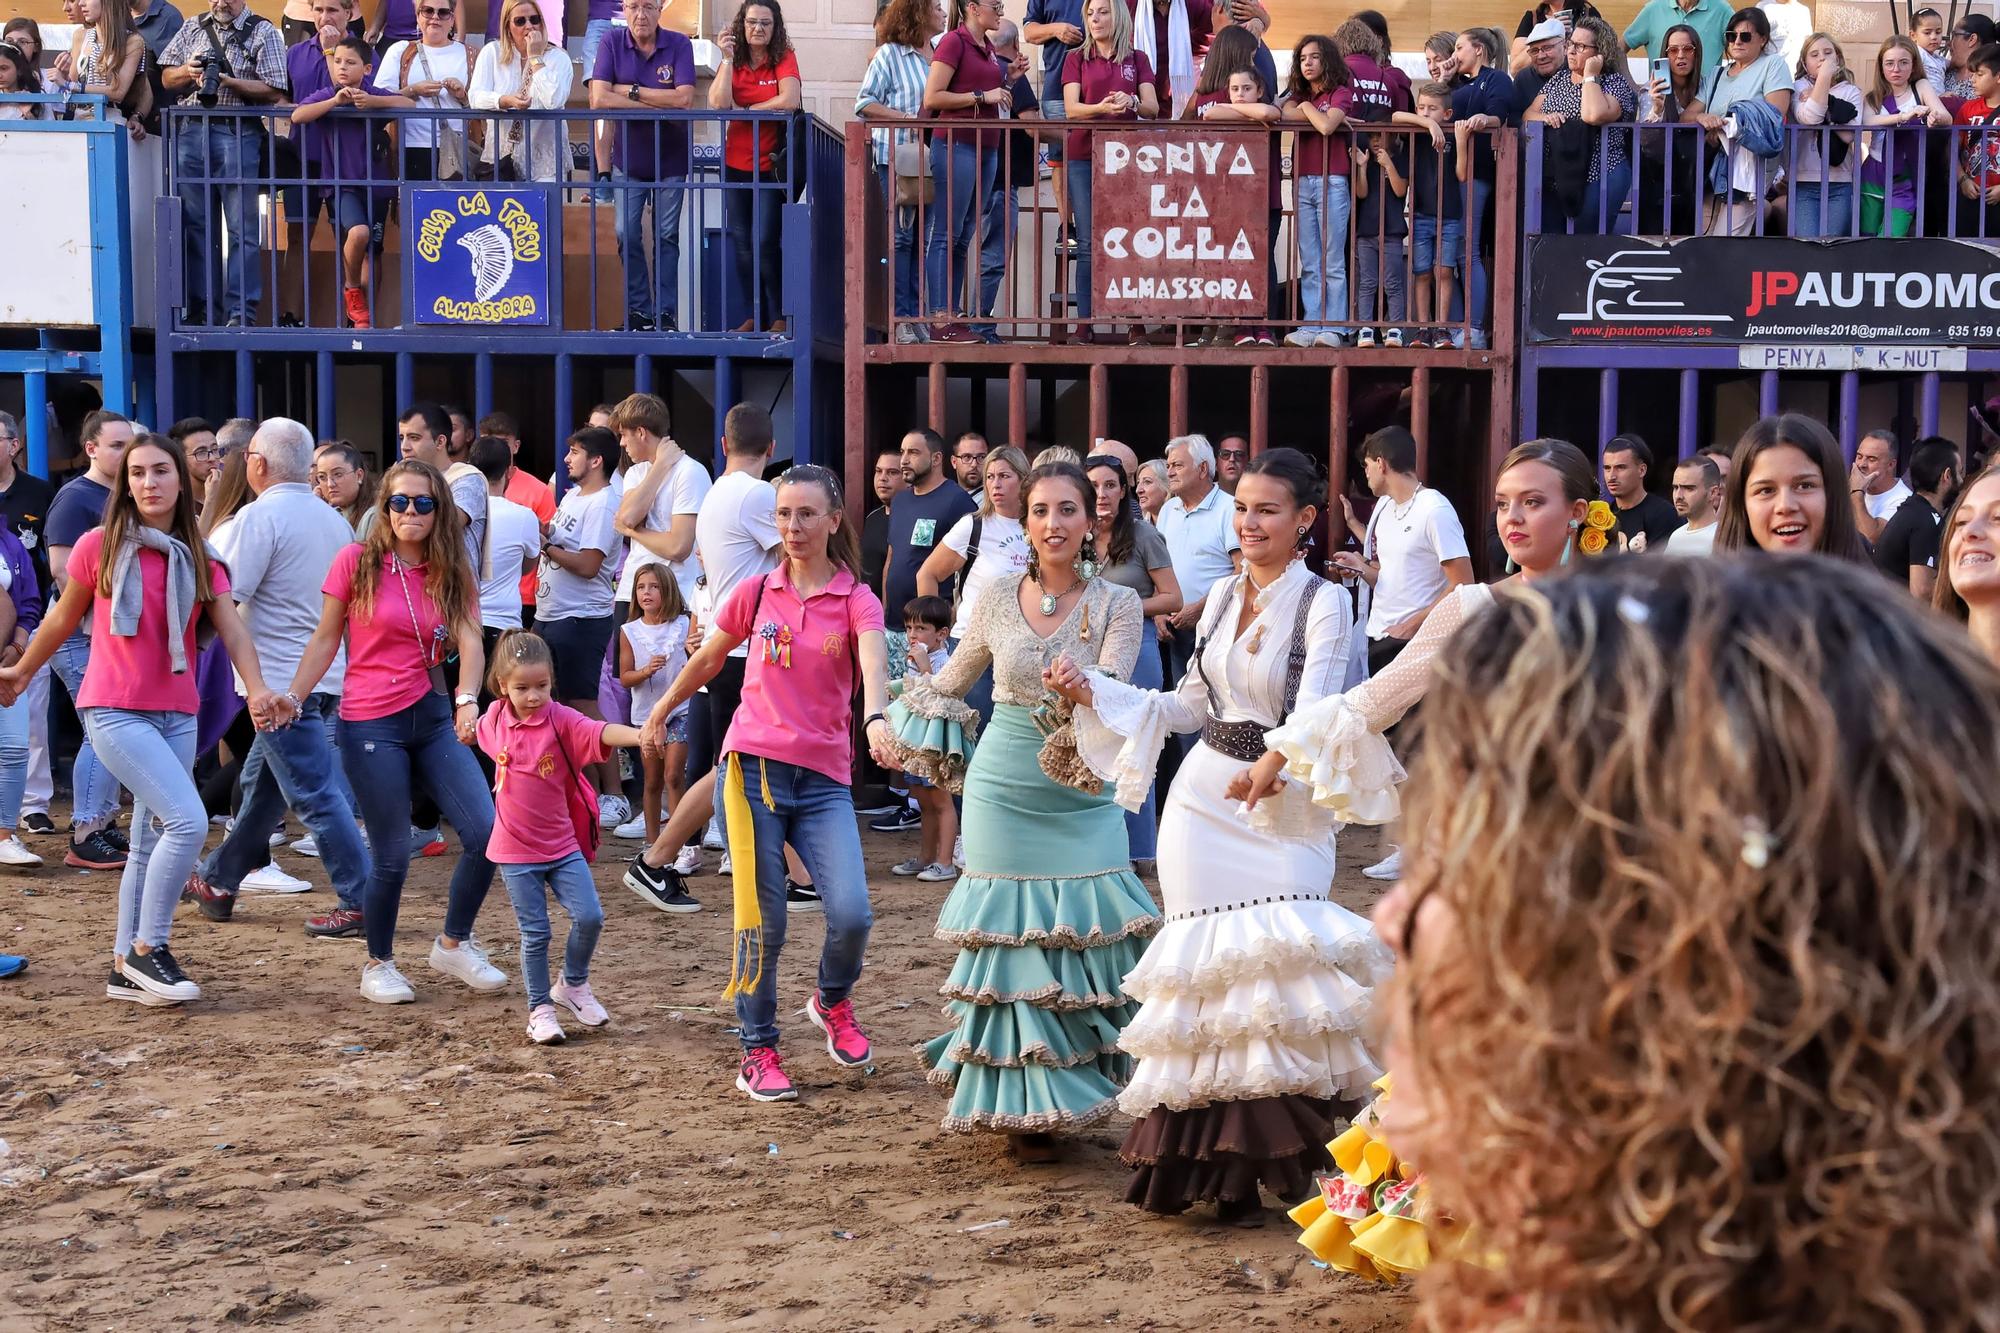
{"x":1598,"y":521}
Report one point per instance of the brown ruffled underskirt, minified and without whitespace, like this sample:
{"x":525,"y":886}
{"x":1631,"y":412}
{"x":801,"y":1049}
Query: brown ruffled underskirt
{"x":1222,"y":1153}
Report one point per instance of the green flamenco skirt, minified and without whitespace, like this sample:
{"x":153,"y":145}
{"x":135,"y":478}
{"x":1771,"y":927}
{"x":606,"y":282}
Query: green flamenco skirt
{"x":1048,"y":918}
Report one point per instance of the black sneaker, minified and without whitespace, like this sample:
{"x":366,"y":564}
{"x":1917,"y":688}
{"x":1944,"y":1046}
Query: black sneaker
{"x":636,"y":322}
{"x":801,"y":897}
{"x":119,"y":987}
{"x":159,"y":974}
{"x":116,"y":837}
{"x":902,"y":821}
{"x":38,"y":824}
{"x":94,"y":853}
{"x":660,"y":886}
{"x":215,"y":904}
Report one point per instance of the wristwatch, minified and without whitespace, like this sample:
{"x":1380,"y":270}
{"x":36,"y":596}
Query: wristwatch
{"x":632,"y":93}
{"x":461,"y":700}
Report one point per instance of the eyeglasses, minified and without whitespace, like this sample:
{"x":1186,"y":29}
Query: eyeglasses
{"x":332,"y":475}
{"x":1742,"y":35}
{"x":206,"y":455}
{"x":430,"y":13}
{"x":423,"y":504}
{"x":1583,"y":46}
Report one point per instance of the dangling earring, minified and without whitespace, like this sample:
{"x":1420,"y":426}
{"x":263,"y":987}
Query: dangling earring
{"x":1086,"y":565}
{"x":1569,"y":542}
{"x":1511,"y":566}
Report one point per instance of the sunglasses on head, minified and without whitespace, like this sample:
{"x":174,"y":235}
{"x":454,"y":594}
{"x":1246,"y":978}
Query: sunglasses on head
{"x":423,"y":504}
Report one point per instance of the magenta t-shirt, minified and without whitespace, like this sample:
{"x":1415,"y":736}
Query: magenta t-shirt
{"x":535,"y":763}
{"x":798,"y":714}
{"x":390,"y":650}
{"x":974,"y":69}
{"x":136,"y":672}
{"x":1097,"y":79}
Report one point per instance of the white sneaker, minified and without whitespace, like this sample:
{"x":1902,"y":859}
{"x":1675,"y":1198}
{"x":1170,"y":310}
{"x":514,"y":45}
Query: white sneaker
{"x":633,"y":829}
{"x":14,"y":852}
{"x":689,"y":861}
{"x":712,"y":839}
{"x":1365,"y":338}
{"x":916,"y":865}
{"x":305,"y":846}
{"x":1330,"y":339}
{"x":383,"y":984}
{"x":579,"y":1001}
{"x":958,"y":852}
{"x":543,"y":1028}
{"x":723,"y":869}
{"x":1389,"y":867}
{"x":270,"y":879}
{"x":469,"y":963}
{"x":612,"y":810}
{"x":1300,"y":338}
{"x":936,"y":874}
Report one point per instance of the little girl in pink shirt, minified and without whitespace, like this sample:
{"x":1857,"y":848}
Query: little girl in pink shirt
{"x":545,"y":828}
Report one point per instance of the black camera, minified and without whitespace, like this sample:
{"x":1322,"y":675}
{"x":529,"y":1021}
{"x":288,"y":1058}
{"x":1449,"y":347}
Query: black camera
{"x":211,"y":78}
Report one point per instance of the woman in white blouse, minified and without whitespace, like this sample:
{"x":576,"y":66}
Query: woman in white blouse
{"x":522,"y":70}
{"x":432,"y":72}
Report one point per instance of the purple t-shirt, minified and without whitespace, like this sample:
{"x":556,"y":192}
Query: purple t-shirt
{"x":305,"y":68}
{"x":647,"y":150}
{"x":342,"y":148}
{"x":399,"y":21}
{"x":603,"y":11}
{"x":1097,"y":79}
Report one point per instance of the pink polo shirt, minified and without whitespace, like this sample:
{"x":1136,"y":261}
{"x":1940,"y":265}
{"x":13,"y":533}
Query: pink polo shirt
{"x":799,"y":714}
{"x":387,"y":649}
{"x":535,"y":763}
{"x":136,"y":672}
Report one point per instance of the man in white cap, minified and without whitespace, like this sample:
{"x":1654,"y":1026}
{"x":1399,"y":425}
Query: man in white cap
{"x":1547,"y":41}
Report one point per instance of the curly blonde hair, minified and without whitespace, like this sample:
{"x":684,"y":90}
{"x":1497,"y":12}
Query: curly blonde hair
{"x":1708,"y":1029}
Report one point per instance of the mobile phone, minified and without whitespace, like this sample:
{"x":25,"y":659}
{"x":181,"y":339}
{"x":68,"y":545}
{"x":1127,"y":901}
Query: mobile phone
{"x":1567,"y":17}
{"x":1662,"y":72}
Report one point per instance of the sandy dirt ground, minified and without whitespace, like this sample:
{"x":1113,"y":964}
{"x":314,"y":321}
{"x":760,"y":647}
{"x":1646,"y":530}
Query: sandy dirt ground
{"x":285,"y":1153}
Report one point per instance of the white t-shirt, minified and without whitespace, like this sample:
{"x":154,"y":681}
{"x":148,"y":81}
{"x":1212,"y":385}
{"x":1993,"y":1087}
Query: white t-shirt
{"x":1410,"y":542}
{"x":668,"y":640}
{"x":736,"y":536}
{"x":513,"y":535}
{"x":681,"y":493}
{"x":431,"y":63}
{"x":1884,"y":506}
{"x":1791,"y":24}
{"x":1003,"y":550}
{"x":1685,"y":540}
{"x":582,"y":523}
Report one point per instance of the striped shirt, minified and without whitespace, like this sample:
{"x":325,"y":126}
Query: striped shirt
{"x":895,"y":79}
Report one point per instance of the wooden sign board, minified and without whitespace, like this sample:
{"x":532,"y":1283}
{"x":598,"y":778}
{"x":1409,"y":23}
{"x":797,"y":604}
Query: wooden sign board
{"x":1180,"y":225}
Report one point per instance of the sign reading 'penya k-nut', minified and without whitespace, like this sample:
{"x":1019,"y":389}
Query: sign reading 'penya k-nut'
{"x":1180,"y":225}
{"x":1763,"y":289}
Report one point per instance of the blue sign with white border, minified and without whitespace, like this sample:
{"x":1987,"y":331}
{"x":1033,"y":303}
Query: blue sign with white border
{"x":482,"y":256}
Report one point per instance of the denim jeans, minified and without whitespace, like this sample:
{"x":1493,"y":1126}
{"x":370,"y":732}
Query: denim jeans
{"x":907,"y":261}
{"x":41,"y":786}
{"x":1831,"y":214}
{"x":13,"y":761}
{"x":1604,"y":196}
{"x":1478,"y":284}
{"x":213,"y":151}
{"x":1142,"y":826}
{"x":529,"y":887}
{"x":93,"y":790}
{"x":663,"y":301}
{"x":752,"y":214}
{"x":1324,"y":203}
{"x":594,"y":33}
{"x":996,"y":242}
{"x":815,"y":815}
{"x":382,"y":756}
{"x":1079,"y":227}
{"x":153,"y":754}
{"x":1378,"y":272}
{"x":293,"y":766}
{"x":964,"y":176}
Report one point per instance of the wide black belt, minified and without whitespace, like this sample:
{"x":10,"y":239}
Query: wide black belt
{"x":1238,"y":740}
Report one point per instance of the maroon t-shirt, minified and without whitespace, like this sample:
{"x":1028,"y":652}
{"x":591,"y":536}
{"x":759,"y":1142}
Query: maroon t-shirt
{"x":974,"y":69}
{"x":1317,"y":154}
{"x":1275,"y":172}
{"x":1098,"y":79}
{"x":1201,"y":27}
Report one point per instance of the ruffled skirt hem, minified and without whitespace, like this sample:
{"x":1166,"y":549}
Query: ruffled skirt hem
{"x":1229,"y":1152}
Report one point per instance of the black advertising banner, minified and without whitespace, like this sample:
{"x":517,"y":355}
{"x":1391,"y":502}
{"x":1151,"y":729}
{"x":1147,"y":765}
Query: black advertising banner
{"x":1753,"y":289}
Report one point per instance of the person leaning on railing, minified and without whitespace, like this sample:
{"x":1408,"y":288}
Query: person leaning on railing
{"x":236,"y":58}
{"x":1669,"y":159}
{"x":522,"y":69}
{"x":966,"y":82}
{"x":759,"y":72}
{"x":1749,"y":71}
{"x":432,"y":71}
{"x":17,"y":76}
{"x":644,"y":65}
{"x":1317,"y":102}
{"x":1822,"y":161}
{"x":1104,"y":79}
{"x":1589,"y":169}
{"x":109,"y":60}
{"x":1978,"y":119}
{"x":1901,"y":97}
{"x":1481,"y":103}
{"x":893,"y":88}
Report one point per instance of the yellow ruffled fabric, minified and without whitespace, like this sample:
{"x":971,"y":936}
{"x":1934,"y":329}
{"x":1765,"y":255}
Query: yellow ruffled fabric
{"x":1369,"y":1220}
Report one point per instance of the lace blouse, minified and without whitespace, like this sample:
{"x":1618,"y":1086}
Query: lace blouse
{"x":1101,"y":630}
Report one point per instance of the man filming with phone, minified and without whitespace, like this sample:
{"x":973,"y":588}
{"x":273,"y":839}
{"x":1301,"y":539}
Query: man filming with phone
{"x":229,"y":58}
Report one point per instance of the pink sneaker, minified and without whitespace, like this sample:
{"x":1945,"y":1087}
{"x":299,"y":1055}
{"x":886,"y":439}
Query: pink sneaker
{"x":543,"y":1027}
{"x":763,"y":1077}
{"x":579,"y":1001}
{"x":845,"y":1041}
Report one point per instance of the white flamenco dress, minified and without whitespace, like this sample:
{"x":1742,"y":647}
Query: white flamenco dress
{"x":1258,"y":987}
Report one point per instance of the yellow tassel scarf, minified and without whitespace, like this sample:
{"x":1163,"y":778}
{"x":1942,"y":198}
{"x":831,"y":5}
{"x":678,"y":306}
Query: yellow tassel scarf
{"x":746,"y":963}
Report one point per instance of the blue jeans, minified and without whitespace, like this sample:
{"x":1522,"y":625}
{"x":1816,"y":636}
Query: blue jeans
{"x":153,"y":754}
{"x":529,"y":886}
{"x":1604,"y":196}
{"x":382,"y":755}
{"x":293,"y":766}
{"x":994,"y":246}
{"x":1379,"y":294}
{"x":815,"y":815}
{"x":1478,"y":284}
{"x":908,"y":264}
{"x":1079,"y":228}
{"x":663,"y":302}
{"x":211,"y":152}
{"x":964,"y":176}
{"x":13,"y":761}
{"x":1142,"y":826}
{"x":1324,"y":203}
{"x":1828,"y":215}
{"x":94,"y":791}
{"x":752,"y":214}
{"x":594,"y":33}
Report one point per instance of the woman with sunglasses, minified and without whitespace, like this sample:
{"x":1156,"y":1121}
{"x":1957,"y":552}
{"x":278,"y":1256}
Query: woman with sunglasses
{"x":816,"y":631}
{"x":402,"y":600}
{"x":1749,"y":69}
{"x":431,"y":71}
{"x":525,"y":68}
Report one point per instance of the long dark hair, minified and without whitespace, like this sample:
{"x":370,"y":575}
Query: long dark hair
{"x":843,"y":548}
{"x":780,"y":45}
{"x":26,"y":76}
{"x":1124,"y":523}
{"x":1838,"y":536}
{"x":1334,"y":68}
{"x":1700,"y":64}
{"x":121,"y":515}
{"x":1230,"y":50}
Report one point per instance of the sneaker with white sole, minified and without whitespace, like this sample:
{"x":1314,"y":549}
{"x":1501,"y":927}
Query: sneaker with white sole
{"x":426,"y":841}
{"x":306,"y":846}
{"x":723,"y":867}
{"x":845,"y":1041}
{"x":1389,"y":867}
{"x":613,"y":810}
{"x":382,"y":983}
{"x":14,"y":852}
{"x":1299,"y":338}
{"x":158,"y":973}
{"x":915,"y":865}
{"x":1392,"y":338}
{"x":936,"y":873}
{"x":270,"y":879}
{"x":689,"y":861}
{"x":117,"y":986}
{"x":1365,"y":338}
{"x":711,"y":837}
{"x":801,"y":897}
{"x":579,"y":1001}
{"x":468,"y":963}
{"x":543,"y":1028}
{"x":762,"y":1076}
{"x":958,"y":852}
{"x":659,"y":886}
{"x":633,"y":829}
{"x":1330,"y":339}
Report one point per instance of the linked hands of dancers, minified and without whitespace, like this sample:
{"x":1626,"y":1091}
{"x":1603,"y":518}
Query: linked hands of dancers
{"x":881,"y":747}
{"x":13,"y":681}
{"x":1069,"y":680}
{"x":1261,"y":779}
{"x":270,"y":710}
